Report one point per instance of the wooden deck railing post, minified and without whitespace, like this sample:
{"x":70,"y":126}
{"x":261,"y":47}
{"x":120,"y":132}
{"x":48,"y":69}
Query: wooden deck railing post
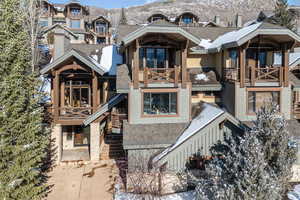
{"x":146,"y":76}
{"x":252,"y":76}
{"x":56,"y":96}
{"x":176,"y":76}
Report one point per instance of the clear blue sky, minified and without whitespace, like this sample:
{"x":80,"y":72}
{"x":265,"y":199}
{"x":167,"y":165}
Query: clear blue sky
{"x":126,"y":3}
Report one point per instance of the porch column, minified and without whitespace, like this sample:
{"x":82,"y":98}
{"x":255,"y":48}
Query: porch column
{"x":56,"y":96}
{"x":184,"y":64}
{"x":285,"y":62}
{"x":95,"y":92}
{"x":136,"y":65}
{"x":242,"y":53}
{"x":56,"y":143}
{"x":95,"y":141}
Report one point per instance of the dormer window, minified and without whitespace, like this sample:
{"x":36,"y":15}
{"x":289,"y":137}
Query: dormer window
{"x":100,"y":27}
{"x":75,"y":11}
{"x":45,"y":8}
{"x":187,"y":20}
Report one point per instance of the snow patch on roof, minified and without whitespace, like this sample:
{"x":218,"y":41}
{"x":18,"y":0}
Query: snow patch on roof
{"x":109,"y":61}
{"x":200,"y":77}
{"x":234,"y":36}
{"x":294,"y":57}
{"x":207,"y":115}
{"x":205,"y":43}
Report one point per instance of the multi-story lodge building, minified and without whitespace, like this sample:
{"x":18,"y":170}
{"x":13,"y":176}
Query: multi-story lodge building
{"x":166,"y":89}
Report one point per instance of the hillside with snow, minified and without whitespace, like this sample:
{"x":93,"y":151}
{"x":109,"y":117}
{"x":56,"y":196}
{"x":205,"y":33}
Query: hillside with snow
{"x":205,"y":9}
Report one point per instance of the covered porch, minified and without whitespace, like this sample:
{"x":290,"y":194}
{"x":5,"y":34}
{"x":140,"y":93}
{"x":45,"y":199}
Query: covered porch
{"x":264,"y":58}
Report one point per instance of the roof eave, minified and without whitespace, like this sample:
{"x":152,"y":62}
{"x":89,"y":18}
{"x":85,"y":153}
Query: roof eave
{"x":68,"y":55}
{"x":159,"y":29}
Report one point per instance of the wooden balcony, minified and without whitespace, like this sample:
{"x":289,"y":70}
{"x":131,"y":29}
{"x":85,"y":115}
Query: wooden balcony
{"x":267,"y":74}
{"x":254,"y":74}
{"x":296,"y":110}
{"x":74,"y":112}
{"x":231,"y":74}
{"x":162,"y":75}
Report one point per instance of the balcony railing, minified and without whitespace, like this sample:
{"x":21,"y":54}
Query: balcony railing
{"x":231,"y":74}
{"x":296,"y":110}
{"x":75,"y":112}
{"x":254,"y":74}
{"x":270,"y":74}
{"x":161,"y":75}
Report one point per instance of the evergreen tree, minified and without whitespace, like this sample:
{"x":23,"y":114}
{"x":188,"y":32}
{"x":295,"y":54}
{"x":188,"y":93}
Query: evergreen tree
{"x":23,"y":140}
{"x":283,"y":16}
{"x":254,"y":165}
{"x":123,"y":19}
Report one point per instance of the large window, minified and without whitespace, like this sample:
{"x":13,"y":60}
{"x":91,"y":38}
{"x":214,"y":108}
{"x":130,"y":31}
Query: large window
{"x":160,"y":103}
{"x":256,"y":99}
{"x":154,"y":57}
{"x":77,"y":94}
{"x":75,"y":23}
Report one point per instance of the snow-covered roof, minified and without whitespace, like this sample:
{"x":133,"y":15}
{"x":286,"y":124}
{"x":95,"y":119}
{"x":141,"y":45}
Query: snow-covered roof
{"x":110,"y":59}
{"x":294,"y":59}
{"x":233,"y":36}
{"x":207,"y":115}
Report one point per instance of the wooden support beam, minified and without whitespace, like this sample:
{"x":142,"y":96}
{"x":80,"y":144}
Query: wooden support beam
{"x":184,"y":64}
{"x":56,"y":96}
{"x":136,"y":65}
{"x":176,"y":76}
{"x":95,"y":89}
{"x":146,"y":76}
{"x":62,"y":94}
{"x":242,"y":53}
{"x":286,"y":68}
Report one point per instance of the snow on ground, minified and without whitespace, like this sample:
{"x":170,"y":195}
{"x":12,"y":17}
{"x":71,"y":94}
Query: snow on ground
{"x":207,"y":115}
{"x":295,"y":194}
{"x":179,"y":196}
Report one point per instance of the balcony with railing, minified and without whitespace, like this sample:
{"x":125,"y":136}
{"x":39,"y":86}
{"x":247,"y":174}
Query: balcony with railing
{"x":254,"y":74}
{"x":162,"y":75}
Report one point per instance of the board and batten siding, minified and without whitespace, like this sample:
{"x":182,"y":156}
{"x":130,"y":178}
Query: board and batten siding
{"x":203,"y":140}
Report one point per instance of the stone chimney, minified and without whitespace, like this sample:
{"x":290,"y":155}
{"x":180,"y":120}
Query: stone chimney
{"x":238,"y":21}
{"x":61,"y":42}
{"x":217,"y":20}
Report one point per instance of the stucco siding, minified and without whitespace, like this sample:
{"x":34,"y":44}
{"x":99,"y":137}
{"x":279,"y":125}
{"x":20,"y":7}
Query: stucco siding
{"x":228,"y":97}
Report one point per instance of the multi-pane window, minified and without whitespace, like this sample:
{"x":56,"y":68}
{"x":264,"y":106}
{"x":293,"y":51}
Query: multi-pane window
{"x":256,"y":99}
{"x":160,"y":103}
{"x":100,"y":27}
{"x":154,"y":57}
{"x":101,"y":40}
{"x":75,"y":11}
{"x":75,"y":23}
{"x":77,"y":94}
{"x":187,"y":20}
